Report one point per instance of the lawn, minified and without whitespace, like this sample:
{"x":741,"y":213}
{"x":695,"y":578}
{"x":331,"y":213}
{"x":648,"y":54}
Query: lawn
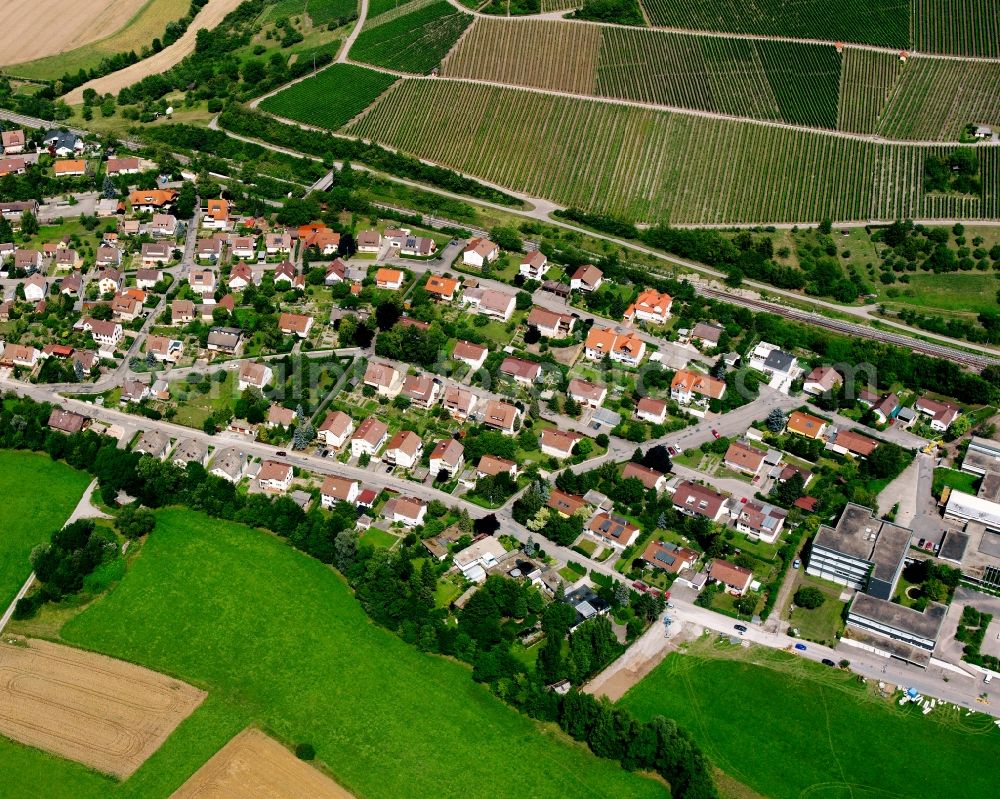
{"x":953,"y":478}
{"x":38,"y":494}
{"x":277,"y":640}
{"x":823,"y":623}
{"x":964,"y":292}
{"x":789,"y":728}
{"x":375,"y":537}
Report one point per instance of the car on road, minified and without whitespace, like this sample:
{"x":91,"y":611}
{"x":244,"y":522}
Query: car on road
{"x":716,"y":433}
{"x":796,"y":563}
{"x":281,"y":453}
{"x":827,"y":662}
{"x":671,"y":450}
{"x":740,"y":628}
{"x":801,"y":647}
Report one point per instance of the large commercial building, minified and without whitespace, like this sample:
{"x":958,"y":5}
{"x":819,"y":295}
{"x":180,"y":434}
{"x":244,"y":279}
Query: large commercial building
{"x":898,"y":623}
{"x":861,"y":552}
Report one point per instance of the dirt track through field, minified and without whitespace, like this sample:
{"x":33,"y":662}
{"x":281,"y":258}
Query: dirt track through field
{"x":252,"y":764}
{"x":105,"y":713}
{"x":36,"y":28}
{"x":209,"y":16}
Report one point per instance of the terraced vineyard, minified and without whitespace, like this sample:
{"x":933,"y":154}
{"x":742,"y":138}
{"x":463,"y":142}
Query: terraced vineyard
{"x":650,"y":165}
{"x":935,"y":98}
{"x":866,"y":84}
{"x":784,"y":81}
{"x":886,"y":22}
{"x":332,"y":98}
{"x":962,"y":27}
{"x":413,"y":42}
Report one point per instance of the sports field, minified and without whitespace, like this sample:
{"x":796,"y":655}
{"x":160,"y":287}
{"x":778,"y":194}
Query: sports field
{"x":279,"y":643}
{"x":38,"y":497}
{"x":789,"y":729}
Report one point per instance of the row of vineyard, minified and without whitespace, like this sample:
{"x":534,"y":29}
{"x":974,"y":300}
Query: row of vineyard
{"x":961,"y":27}
{"x":866,"y":84}
{"x":414,"y":42}
{"x":331,"y":98}
{"x":784,"y":81}
{"x":884,"y":22}
{"x":650,"y":165}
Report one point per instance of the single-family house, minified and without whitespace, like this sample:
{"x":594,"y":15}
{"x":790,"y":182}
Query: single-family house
{"x":651,"y":409}
{"x":688,"y":387}
{"x":229,"y":464}
{"x":181,"y":312}
{"x":847,"y":442}
{"x":19,"y":355}
{"x":492,"y":303}
{"x":460,"y":402}
{"x":163,"y":226}
{"x":254,"y":375}
{"x":216,"y":216}
{"x":885,"y":408}
{"x":650,"y":306}
{"x":27,"y":259}
{"x":736,"y":579}
{"x":190,"y":450}
{"x":695,"y":499}
{"x":164,"y":349}
{"x":651,"y":479}
{"x":150,"y":201}
{"x":67,"y":421}
{"x":501,"y":416}
{"x":586,"y":278}
{"x":491,"y":465}
{"x":244,"y":247}
{"x":134,"y":391}
{"x":227,"y":340}
{"x":126,"y":306}
{"x":12,"y":166}
{"x":550,"y":323}
{"x":62,"y":143}
{"x":741,"y":457}
{"x":73,"y":168}
{"x":472,"y":354}
{"x":13,"y":141}
{"x":110,"y":281}
{"x":36,"y":288}
{"x":480,"y":251}
{"x":153,"y":443}
{"x":369,"y":242}
{"x":706,"y":334}
{"x":441,"y":288}
{"x":336,"y":272}
{"x":565,"y":504}
{"x":202,"y":281}
{"x":760,"y":520}
{"x":338,"y":489}
{"x":624,"y":347}
{"x":278,"y":243}
{"x":146,"y":279}
{"x":157,"y":252}
{"x":940,"y":412}
{"x":422,"y":390}
{"x":587,"y":393}
{"x":369,"y":437}
{"x":108,"y":257}
{"x":408,"y":511}
{"x":534,"y":265}
{"x":279,"y":416}
{"x":447,"y":456}
{"x":385,"y":379}
{"x":122,"y":166}
{"x":274,"y":476}
{"x":106,"y":335}
{"x":209,"y":251}
{"x":295,"y":324}
{"x":668,"y":557}
{"x":821,"y":380}
{"x":521,"y":371}
{"x":336,"y":428}
{"x":804,"y":424}
{"x":558,"y":443}
{"x":616,"y":530}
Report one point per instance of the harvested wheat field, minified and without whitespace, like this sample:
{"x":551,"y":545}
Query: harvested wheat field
{"x":253,"y":765}
{"x":105,"y":713}
{"x":211,"y":14}
{"x":36,"y":28}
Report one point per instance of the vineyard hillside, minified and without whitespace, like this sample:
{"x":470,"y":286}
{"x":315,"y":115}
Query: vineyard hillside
{"x":332,"y":98}
{"x":412,"y":42}
{"x":962,"y":27}
{"x":649,"y":165}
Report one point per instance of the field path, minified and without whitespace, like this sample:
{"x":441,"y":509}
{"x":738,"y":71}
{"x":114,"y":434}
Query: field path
{"x":210,"y":15}
{"x":362,"y":16}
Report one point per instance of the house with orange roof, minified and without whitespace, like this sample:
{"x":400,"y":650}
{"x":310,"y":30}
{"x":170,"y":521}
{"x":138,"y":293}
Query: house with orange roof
{"x":294,"y":323}
{"x":650,"y":306}
{"x":686,"y":385}
{"x":73,"y":168}
{"x":391,"y":279}
{"x":216,"y":216}
{"x":441,"y":288}
{"x":150,"y":201}
{"x":624,"y":347}
{"x":805,"y":424}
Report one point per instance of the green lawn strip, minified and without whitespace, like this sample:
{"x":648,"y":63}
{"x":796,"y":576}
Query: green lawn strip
{"x":332,"y":98}
{"x":952,"y":478}
{"x":277,"y":637}
{"x":378,"y":538}
{"x":814,"y":732}
{"x":38,"y":494}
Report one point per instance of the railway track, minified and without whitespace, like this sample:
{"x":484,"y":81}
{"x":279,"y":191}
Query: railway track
{"x":973,"y":361}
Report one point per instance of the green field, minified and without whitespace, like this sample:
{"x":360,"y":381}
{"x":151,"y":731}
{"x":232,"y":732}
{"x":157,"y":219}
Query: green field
{"x":694,"y":170}
{"x":791,"y":728}
{"x":149,"y":23}
{"x":332,"y":98}
{"x":38,"y":494}
{"x":954,"y":479}
{"x":885,"y":23}
{"x":963,"y":292}
{"x":277,"y":640}
{"x":414,"y":42}
{"x":787,"y":81}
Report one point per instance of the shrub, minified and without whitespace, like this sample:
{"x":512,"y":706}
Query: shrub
{"x":305,"y":752}
{"x":809,"y":598}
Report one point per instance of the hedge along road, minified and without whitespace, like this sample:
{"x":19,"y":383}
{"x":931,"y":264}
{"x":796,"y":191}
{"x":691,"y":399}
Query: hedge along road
{"x":210,"y":15}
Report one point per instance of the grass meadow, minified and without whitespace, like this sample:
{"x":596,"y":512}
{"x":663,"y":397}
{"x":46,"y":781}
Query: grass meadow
{"x":789,"y":728}
{"x":38,"y":494}
{"x":277,"y":640}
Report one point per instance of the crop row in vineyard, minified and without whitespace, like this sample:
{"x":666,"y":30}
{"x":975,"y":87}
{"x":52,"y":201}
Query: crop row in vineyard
{"x":961,"y":27}
{"x":786,"y":81}
{"x":644,"y":164}
{"x":415,"y":42}
{"x":866,"y":83}
{"x":885,"y":22}
{"x":331,"y":98}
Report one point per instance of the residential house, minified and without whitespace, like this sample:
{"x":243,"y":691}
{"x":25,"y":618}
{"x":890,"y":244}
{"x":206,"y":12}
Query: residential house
{"x":122,"y":166}
{"x":885,"y":408}
{"x":19,"y":355}
{"x":616,"y":530}
{"x":110,"y":281}
{"x":28,"y":260}
{"x":62,"y":143}
{"x":472,"y":354}
{"x":337,"y":427}
{"x":688,"y":387}
{"x":625,"y":347}
{"x":780,"y":367}
{"x":422,"y":390}
{"x":804,"y":424}
{"x":650,"y":306}
{"x":448,"y":456}
{"x":369,"y":241}
{"x":36,"y":288}
{"x":13,"y":211}
{"x":134,"y":391}
{"x":587,"y":393}
{"x":241,"y":276}
{"x":108,"y":257}
{"x":480,"y":251}
{"x":501,"y":416}
{"x":278,"y":243}
{"x":550,"y":323}
{"x":521,"y":371}
{"x":441,"y":288}
{"x":202,"y":281}
{"x":190,"y":451}
{"x":227,"y":340}
{"x":847,"y":442}
{"x":386,"y":380}
{"x":297,"y":324}
{"x":534,"y":265}
{"x":651,"y":479}
{"x":586,"y":278}
{"x":558,"y":443}
{"x":216,"y":216}
{"x":67,"y":421}
{"x":254,"y":375}
{"x":181,"y":312}
{"x":285,"y":273}
{"x":75,"y":168}
{"x":229,"y":464}
{"x":106,"y":335}
{"x":369,"y":437}
{"x":126,"y":307}
{"x":695,"y":499}
{"x":492,"y":303}
{"x":760,"y":520}
{"x":460,"y":402}
{"x":491,"y":465}
{"x":279,"y":416}
{"x":474,"y":560}
{"x":164,"y":349}
{"x":670,"y":558}
{"x":565,"y":504}
{"x":151,"y":201}
{"x":821,"y":380}
{"x":940,"y":412}
{"x":742,"y":457}
{"x":210,"y":250}
{"x":157,"y":252}
{"x":12,"y":166}
{"x":274,"y":476}
{"x":71,"y":285}
{"x":338,"y":489}
{"x":418,"y":246}
{"x":244,"y":247}
{"x":13,"y":141}
{"x":146,"y":279}
{"x":651,"y":409}
{"x":736,"y":579}
{"x":336,"y":272}
{"x":153,"y":443}
{"x":163,"y":226}
{"x":706,"y":334}
{"x":408,"y":511}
